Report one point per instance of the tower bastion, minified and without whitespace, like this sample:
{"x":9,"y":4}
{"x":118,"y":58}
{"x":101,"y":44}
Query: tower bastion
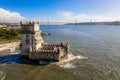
{"x":33,"y":46}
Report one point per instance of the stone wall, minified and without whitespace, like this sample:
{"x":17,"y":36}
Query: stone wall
{"x":44,"y":55}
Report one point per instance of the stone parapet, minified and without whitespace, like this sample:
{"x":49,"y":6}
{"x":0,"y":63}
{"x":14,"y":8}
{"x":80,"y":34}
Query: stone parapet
{"x":30,"y":23}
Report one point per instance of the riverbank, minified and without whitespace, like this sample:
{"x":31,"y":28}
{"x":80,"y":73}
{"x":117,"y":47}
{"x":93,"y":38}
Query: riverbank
{"x":8,"y":45}
{"x":9,"y":34}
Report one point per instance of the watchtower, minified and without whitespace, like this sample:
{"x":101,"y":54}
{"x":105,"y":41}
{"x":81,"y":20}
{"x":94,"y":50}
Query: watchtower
{"x":31,"y":39}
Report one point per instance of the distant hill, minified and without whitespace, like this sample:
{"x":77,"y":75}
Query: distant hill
{"x":96,"y":23}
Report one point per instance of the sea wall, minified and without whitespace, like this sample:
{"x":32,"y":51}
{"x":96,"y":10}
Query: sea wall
{"x":44,"y":55}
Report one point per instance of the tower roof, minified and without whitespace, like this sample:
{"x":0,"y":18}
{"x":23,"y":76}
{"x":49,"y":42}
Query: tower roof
{"x":30,"y":23}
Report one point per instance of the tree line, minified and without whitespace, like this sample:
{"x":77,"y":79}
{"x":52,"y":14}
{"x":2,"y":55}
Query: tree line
{"x":9,"y":34}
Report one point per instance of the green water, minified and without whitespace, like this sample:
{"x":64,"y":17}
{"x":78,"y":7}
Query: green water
{"x":94,"y":55}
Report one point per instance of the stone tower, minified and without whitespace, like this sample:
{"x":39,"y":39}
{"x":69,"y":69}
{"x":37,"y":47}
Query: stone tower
{"x":31,"y":39}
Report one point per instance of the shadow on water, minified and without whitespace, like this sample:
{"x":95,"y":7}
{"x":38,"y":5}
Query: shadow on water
{"x":17,"y":58}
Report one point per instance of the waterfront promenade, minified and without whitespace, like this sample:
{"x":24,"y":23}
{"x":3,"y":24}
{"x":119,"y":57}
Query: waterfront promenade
{"x":5,"y":46}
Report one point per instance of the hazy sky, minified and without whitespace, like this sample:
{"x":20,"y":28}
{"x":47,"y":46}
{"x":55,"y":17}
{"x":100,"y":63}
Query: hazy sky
{"x":60,"y":10}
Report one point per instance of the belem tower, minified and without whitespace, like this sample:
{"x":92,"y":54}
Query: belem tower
{"x":33,"y":46}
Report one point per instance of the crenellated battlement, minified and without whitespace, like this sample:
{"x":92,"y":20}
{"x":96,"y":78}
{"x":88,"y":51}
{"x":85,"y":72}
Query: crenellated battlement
{"x":46,"y":52}
{"x":30,"y":23}
{"x":30,"y":27}
{"x":45,"y":55}
{"x":55,"y":45}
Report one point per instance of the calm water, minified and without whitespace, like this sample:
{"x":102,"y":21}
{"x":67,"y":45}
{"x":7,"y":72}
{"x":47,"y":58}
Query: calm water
{"x":94,"y":55}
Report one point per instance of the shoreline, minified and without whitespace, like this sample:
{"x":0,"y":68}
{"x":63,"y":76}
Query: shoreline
{"x":8,"y":45}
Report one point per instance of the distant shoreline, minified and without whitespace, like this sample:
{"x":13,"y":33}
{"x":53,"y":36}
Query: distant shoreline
{"x":9,"y":45}
{"x":95,"y":23}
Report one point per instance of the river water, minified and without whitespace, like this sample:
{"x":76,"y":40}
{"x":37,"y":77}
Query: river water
{"x":94,"y":55}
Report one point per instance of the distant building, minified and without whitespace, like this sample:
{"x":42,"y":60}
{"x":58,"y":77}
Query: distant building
{"x":14,"y":27}
{"x":10,"y":25}
{"x":2,"y":26}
